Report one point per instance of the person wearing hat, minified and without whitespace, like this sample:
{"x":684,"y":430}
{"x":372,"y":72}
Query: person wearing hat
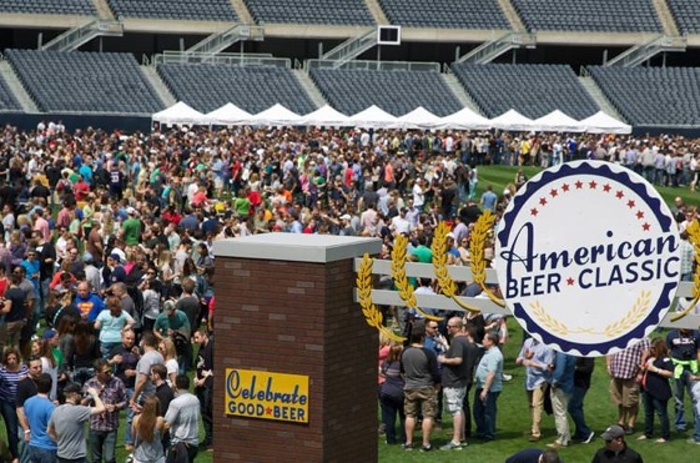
{"x":67,"y":423}
{"x":131,"y":228}
{"x":171,"y":320}
{"x":616,"y":449}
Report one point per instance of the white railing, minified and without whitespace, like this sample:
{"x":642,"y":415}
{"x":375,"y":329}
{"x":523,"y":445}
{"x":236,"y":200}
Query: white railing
{"x":460,"y":273}
{"x":221,"y":59}
{"x":373,"y":65}
{"x":74,"y":38}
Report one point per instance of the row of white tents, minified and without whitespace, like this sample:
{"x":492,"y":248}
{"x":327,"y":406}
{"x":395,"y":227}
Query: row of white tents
{"x":375,"y":117}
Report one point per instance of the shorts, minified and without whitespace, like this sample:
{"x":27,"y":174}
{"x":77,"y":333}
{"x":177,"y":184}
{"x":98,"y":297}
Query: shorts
{"x":424,"y":399}
{"x":625,"y":392}
{"x":453,"y":397}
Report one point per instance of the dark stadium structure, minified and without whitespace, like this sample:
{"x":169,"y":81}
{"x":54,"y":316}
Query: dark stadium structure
{"x":116,"y":62}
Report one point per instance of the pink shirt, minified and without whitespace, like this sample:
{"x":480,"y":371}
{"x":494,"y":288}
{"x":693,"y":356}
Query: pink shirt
{"x":42,"y":225}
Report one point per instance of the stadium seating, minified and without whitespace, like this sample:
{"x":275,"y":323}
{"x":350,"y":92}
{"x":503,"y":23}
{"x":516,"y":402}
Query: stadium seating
{"x":531,"y":89}
{"x":181,"y":10}
{"x":8,"y":102}
{"x":589,"y":15}
{"x":84,"y":82}
{"x":455,"y":14}
{"x":648,"y":96}
{"x":396,"y":92}
{"x":331,"y":12}
{"x":687,"y":15}
{"x":68,"y":7}
{"x":254,"y":89}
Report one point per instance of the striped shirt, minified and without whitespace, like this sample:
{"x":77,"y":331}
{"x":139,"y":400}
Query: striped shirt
{"x":8,"y":382}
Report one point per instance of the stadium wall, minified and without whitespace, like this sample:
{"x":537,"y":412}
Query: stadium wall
{"x":106,"y":122}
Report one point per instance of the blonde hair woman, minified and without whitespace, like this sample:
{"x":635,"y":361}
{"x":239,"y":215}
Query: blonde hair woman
{"x":146,"y":431}
{"x":167,"y":349}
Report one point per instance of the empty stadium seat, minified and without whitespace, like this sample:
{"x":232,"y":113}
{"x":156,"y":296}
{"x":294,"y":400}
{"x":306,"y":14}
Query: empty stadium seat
{"x":84,"y":82}
{"x":206,"y":87}
{"x":330,"y":12}
{"x":589,"y":15}
{"x":67,"y":7}
{"x":534,"y":90}
{"x":687,"y":15}
{"x":652,"y":96}
{"x":8,"y":102}
{"x":181,"y":10}
{"x":396,"y":92}
{"x":454,"y":14}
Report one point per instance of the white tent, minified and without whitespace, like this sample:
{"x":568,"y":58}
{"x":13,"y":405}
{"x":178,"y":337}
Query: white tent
{"x":465,"y":119}
{"x":228,"y":114}
{"x":275,"y":115}
{"x":419,"y":118}
{"x":327,"y":117}
{"x":373,"y":117}
{"x":514,"y":121}
{"x":557,"y":121}
{"x":602,"y":123}
{"x":179,"y":113}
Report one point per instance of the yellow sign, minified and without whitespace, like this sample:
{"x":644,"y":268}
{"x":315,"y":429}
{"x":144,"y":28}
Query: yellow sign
{"x":267,"y":395}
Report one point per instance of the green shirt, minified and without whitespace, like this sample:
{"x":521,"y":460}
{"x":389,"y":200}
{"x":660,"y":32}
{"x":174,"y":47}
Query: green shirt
{"x":242,"y":206}
{"x":177,"y":322}
{"x":132,"y":231}
{"x":58,"y":355}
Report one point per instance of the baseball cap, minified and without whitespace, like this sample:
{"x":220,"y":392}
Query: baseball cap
{"x":613,"y":432}
{"x":49,"y":334}
{"x":116,"y":257}
{"x":345,"y":217}
{"x":169,"y":306}
{"x":130,"y":210}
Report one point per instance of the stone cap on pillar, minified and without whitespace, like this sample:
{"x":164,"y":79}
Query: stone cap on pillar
{"x":297,"y":247}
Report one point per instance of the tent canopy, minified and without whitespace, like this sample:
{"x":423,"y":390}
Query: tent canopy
{"x":602,"y":123}
{"x":327,"y":117}
{"x":373,"y":117}
{"x":512,"y":120}
{"x":228,"y":114}
{"x":419,"y":118}
{"x":465,"y":119}
{"x":557,"y":121}
{"x":276,"y":115}
{"x":179,"y":113}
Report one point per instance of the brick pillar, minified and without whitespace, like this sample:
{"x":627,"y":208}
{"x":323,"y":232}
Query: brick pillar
{"x":284,"y":304}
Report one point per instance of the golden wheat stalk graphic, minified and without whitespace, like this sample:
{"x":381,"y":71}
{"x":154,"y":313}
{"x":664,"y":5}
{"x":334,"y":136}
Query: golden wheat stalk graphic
{"x":398,"y":273}
{"x":694,"y":235}
{"x":364,"y":294}
{"x":477,"y":243}
{"x":447,"y":285}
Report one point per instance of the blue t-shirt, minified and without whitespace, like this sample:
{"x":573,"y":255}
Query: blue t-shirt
{"x":38,"y":411}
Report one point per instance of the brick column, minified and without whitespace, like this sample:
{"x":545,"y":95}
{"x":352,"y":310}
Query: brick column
{"x":284,"y":304}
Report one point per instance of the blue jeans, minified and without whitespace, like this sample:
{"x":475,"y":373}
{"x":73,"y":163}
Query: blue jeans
{"x":485,"y":415}
{"x":576,"y":411}
{"x":651,"y":405}
{"x":37,"y":455}
{"x":129,"y":417}
{"x":9,"y":415}
{"x":680,"y":385}
{"x":391,"y":407}
{"x":102,"y":443}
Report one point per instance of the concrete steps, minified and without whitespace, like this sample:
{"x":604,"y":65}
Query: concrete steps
{"x":242,"y":11}
{"x":666,"y":18}
{"x":310,"y":88}
{"x":597,"y":94}
{"x":462,"y":96}
{"x":377,"y":12}
{"x":15,"y":86}
{"x":159,"y":86}
{"x":103,"y":10}
{"x":512,"y":16}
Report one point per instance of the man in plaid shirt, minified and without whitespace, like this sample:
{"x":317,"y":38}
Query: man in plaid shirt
{"x":625,"y":370}
{"x":104,"y":426}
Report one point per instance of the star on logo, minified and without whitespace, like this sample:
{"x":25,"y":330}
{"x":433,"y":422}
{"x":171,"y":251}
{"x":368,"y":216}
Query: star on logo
{"x":592,"y":184}
{"x":268,"y":411}
{"x":607,"y":187}
{"x":646,"y":226}
{"x":565,"y":187}
{"x":570,"y":281}
{"x":630,"y":204}
{"x":553,"y":192}
{"x":533,"y":211}
{"x":543,"y":201}
{"x":579,"y":184}
{"x":619,"y":194}
{"x":640,"y":215}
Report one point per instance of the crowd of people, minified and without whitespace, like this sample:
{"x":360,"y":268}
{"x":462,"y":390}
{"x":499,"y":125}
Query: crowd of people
{"x":107,"y":275}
